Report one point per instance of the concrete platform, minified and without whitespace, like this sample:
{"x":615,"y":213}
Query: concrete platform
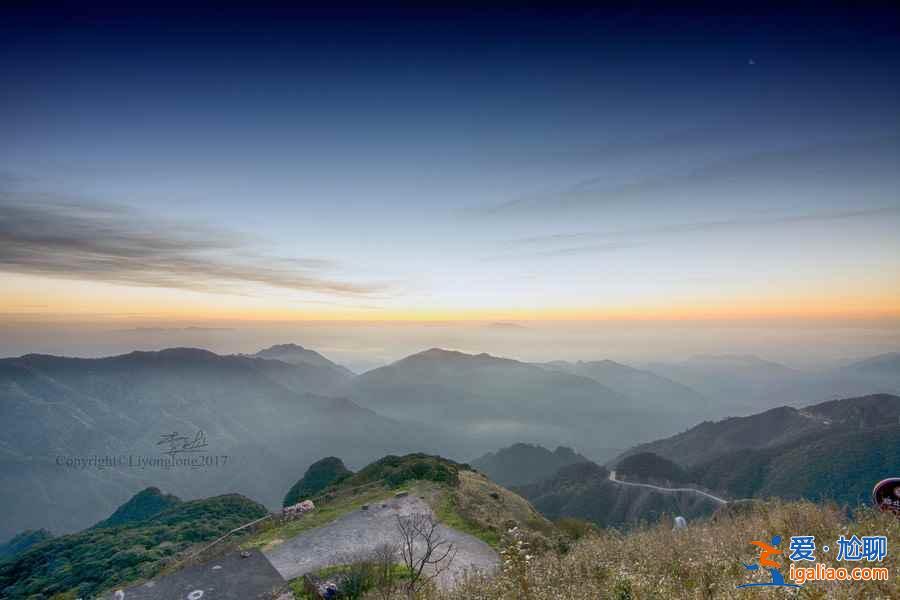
{"x":228,"y":577}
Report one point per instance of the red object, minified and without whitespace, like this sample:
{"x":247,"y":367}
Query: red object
{"x":886,"y":495}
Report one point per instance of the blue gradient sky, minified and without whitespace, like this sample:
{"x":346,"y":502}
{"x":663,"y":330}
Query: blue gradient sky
{"x":615,"y":163}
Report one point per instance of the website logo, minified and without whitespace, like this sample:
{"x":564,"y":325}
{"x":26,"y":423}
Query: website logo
{"x":766,"y":551}
{"x":804,"y":567}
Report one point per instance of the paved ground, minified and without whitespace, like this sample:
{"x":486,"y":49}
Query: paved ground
{"x":612,"y":477}
{"x":361,"y":531}
{"x":229,"y":577}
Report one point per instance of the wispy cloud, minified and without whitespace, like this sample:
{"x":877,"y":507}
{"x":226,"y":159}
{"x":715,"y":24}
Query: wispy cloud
{"x":193,"y":329}
{"x":568,"y":251}
{"x":705,"y":227}
{"x":820,"y":164}
{"x":109,"y":243}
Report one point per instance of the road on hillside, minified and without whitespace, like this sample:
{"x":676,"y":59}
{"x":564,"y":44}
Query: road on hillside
{"x":612,"y":477}
{"x":355,"y":534}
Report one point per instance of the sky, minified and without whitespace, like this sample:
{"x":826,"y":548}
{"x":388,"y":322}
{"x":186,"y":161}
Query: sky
{"x":189,"y":167}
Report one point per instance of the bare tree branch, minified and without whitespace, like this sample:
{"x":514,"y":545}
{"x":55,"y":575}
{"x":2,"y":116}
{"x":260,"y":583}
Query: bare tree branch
{"x":425,"y":552}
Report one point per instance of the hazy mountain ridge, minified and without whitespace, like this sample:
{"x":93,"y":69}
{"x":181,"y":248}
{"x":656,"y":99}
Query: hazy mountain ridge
{"x":833,"y":450}
{"x":751,"y":384}
{"x":646,"y":386}
{"x":882,"y":364}
{"x":842,"y":466}
{"x":774,"y":427}
{"x":294,"y":354}
{"x":272,"y":419}
{"x":585,"y":491}
{"x":500,"y":401}
{"x":522,"y":464}
{"x":260,"y":413}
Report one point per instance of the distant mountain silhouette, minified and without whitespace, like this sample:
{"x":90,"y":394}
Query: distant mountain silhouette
{"x":584,"y":491}
{"x":746,"y":384}
{"x":835,"y":450}
{"x":520,"y":464}
{"x":294,"y":354}
{"x":832,"y":450}
{"x":644,"y":386}
{"x":774,"y":427}
{"x":266,"y":416}
{"x":497,"y":401}
{"x":883,"y":364}
{"x":649,"y":467}
{"x":841,"y":465}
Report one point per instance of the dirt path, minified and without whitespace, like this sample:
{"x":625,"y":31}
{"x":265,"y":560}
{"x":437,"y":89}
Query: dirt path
{"x":362,"y":531}
{"x":612,"y":477}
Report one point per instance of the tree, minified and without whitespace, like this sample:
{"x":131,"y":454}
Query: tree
{"x":425,"y":552}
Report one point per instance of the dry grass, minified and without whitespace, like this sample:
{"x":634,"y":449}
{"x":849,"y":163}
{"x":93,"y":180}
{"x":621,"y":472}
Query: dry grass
{"x":703,"y":561}
{"x":484,"y":509}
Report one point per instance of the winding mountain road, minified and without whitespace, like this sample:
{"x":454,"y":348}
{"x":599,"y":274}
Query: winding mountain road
{"x":612,"y":477}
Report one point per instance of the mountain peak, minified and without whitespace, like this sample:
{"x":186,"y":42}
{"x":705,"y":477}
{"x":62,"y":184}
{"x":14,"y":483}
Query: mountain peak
{"x":441,"y":354}
{"x":145,"y":504}
{"x":289,"y":347}
{"x":887,"y":363}
{"x":295,"y":354}
{"x":522,"y":463}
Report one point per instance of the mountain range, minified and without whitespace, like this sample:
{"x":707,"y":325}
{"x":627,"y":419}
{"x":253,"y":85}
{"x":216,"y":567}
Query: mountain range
{"x":748,"y":384}
{"x":255,"y":422}
{"x":835,"y":450}
{"x":776,"y":427}
{"x":260,"y":420}
{"x":491,"y":401}
{"x":651,"y":389}
{"x":584,"y":491}
{"x":521,"y":464}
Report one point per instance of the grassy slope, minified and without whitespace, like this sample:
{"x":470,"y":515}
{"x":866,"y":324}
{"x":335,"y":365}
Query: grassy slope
{"x":702,"y":562}
{"x":482,"y":508}
{"x":461,"y":498}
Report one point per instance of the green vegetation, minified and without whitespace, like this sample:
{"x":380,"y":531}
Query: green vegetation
{"x":521,"y":464}
{"x":449,"y":513}
{"x":356,"y":580}
{"x":481,"y":508}
{"x":86,"y":563}
{"x":375,"y":482}
{"x":584,"y":491}
{"x":140,"y":507}
{"x":650,"y":466}
{"x":842,"y":466}
{"x":23,"y":541}
{"x":321,"y":474}
{"x":394,"y":471}
{"x":576,"y":529}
